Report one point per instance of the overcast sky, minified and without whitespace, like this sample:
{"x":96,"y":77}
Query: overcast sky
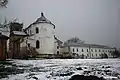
{"x":94,"y":21}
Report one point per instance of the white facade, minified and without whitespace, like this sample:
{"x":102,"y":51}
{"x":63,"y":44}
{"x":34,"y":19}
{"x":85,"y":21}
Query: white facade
{"x":41,"y":36}
{"x":88,"y":52}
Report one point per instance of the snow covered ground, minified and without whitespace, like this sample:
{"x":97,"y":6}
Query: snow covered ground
{"x":63,"y":69}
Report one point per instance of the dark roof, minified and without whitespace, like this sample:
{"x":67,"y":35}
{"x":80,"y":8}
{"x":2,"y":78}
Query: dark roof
{"x":42,"y":19}
{"x":16,"y":24}
{"x":87,"y":45}
{"x":59,"y":41}
{"x":3,"y":36}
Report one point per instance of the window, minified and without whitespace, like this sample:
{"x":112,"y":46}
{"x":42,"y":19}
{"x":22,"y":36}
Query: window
{"x":28,"y":45}
{"x":30,"y":32}
{"x":77,"y":50}
{"x":87,"y":55}
{"x":37,"y":30}
{"x":91,"y":50}
{"x":103,"y":50}
{"x":57,"y":52}
{"x":87,"y":50}
{"x":99,"y":50}
{"x":95,"y":50}
{"x":37,"y":44}
{"x":96,"y":54}
{"x":109,"y":54}
{"x":82,"y":50}
{"x":92,"y":54}
{"x":57,"y":47}
{"x":73,"y":50}
{"x":110,"y":51}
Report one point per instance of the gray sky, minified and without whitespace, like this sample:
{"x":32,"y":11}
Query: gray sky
{"x":94,"y":21}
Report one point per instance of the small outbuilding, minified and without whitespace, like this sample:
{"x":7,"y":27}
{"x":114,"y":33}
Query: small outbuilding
{"x":3,"y":46}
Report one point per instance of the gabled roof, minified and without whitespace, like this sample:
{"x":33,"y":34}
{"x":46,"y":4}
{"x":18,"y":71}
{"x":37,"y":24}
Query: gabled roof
{"x":58,"y":41}
{"x":87,"y":45}
{"x":41,"y":19}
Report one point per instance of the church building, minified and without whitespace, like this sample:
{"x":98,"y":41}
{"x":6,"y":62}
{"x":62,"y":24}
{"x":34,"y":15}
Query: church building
{"x":41,"y":36}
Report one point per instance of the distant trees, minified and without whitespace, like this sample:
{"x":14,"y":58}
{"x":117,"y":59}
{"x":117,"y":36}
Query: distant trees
{"x":5,"y":25}
{"x":74,"y":40}
{"x":104,"y":55}
{"x":116,"y":53}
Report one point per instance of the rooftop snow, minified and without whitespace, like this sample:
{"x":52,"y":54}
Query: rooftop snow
{"x":19,"y":33}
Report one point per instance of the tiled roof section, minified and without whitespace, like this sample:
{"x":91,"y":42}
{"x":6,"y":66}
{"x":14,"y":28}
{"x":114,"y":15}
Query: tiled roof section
{"x":88,"y":45}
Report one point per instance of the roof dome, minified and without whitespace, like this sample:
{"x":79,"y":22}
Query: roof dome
{"x":42,"y":19}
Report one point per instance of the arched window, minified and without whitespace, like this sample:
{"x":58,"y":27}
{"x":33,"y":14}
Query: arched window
{"x":95,"y":50}
{"x":28,"y":44}
{"x":57,"y":47}
{"x":73,"y":49}
{"x":77,"y":50}
{"x":57,"y":52}
{"x":91,"y":50}
{"x":37,"y":44}
{"x":87,"y":50}
{"x":37,"y":30}
{"x":82,"y":50}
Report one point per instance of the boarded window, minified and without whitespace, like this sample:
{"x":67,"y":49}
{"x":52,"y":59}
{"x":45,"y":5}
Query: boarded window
{"x":37,"y":44}
{"x":37,"y":30}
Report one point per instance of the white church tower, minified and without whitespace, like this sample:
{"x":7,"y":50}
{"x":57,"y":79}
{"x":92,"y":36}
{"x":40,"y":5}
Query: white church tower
{"x":41,"y":36}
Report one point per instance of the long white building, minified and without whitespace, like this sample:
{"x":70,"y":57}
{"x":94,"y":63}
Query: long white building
{"x":88,"y":50}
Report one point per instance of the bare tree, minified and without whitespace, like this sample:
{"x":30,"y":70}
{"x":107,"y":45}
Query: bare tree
{"x":74,"y":40}
{"x":3,"y":3}
{"x":4,"y":27}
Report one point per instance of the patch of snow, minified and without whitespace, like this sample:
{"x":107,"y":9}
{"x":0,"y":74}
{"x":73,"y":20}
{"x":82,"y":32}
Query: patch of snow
{"x":19,"y":33}
{"x":63,"y":69}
